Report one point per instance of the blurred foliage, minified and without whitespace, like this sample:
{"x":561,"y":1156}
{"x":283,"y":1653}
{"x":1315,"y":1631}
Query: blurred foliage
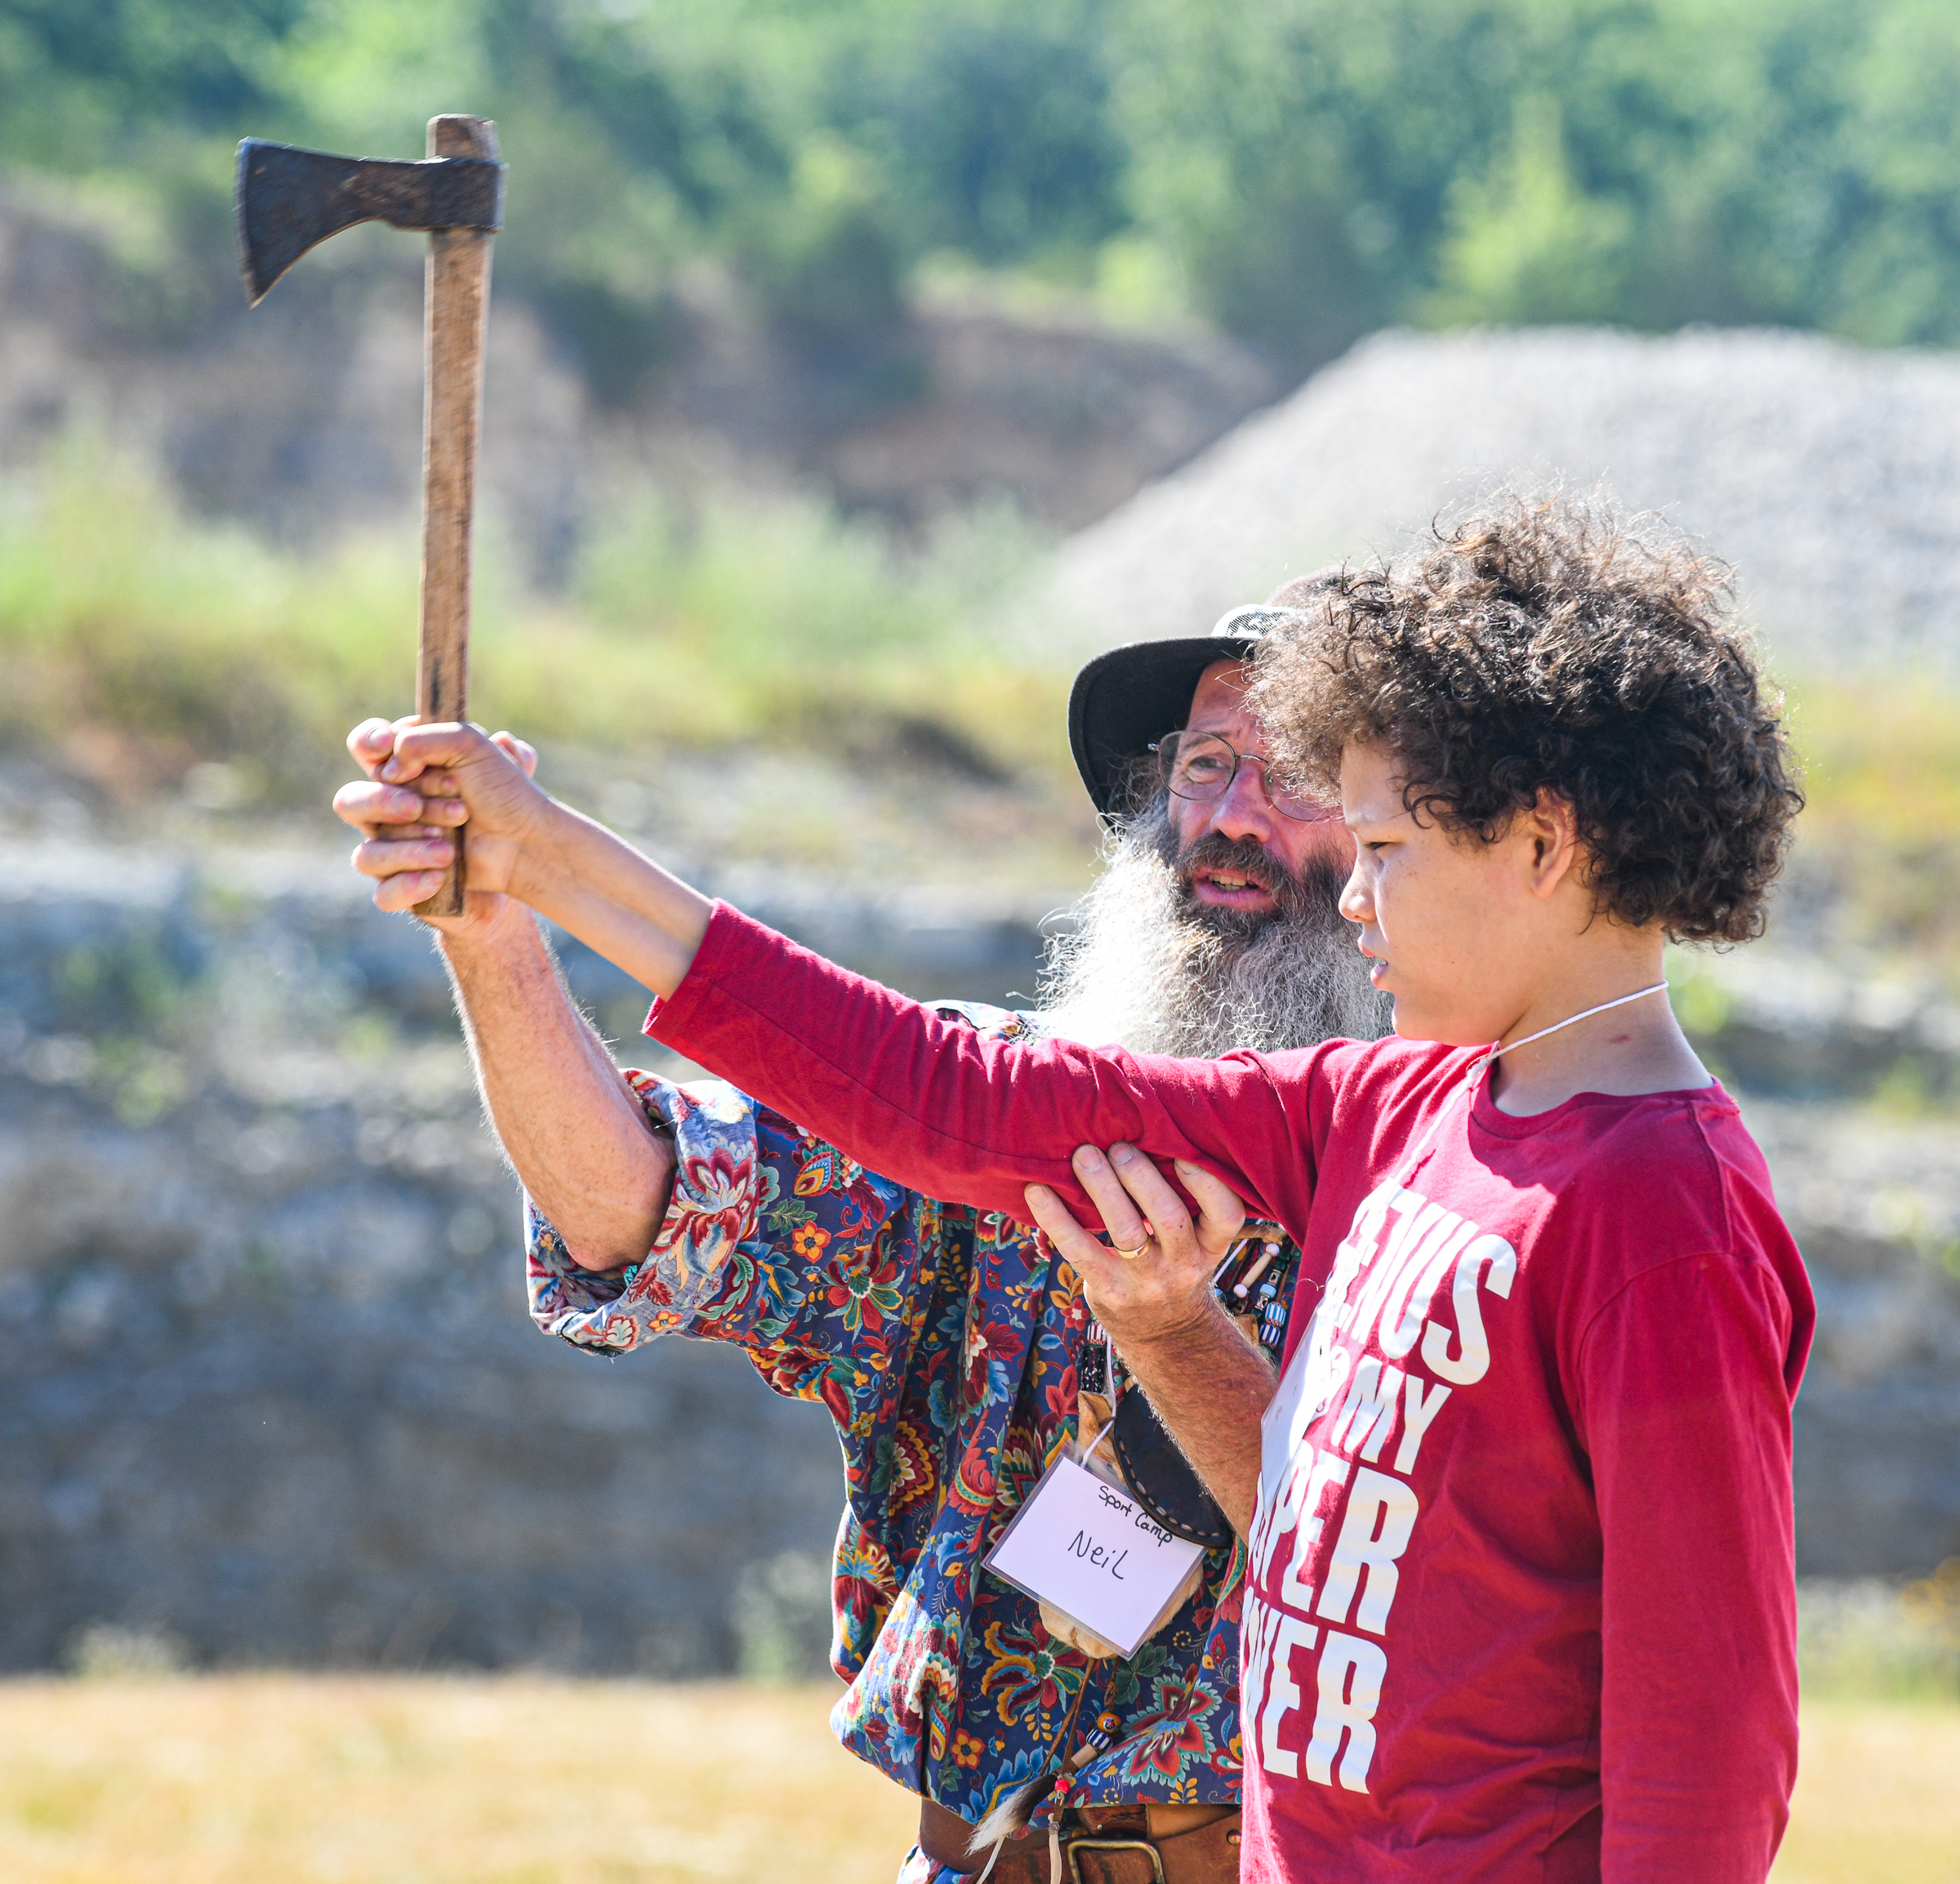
{"x":1882,"y":776}
{"x":819,"y":261}
{"x":152,"y":649}
{"x":1873,"y":746}
{"x":1299,"y":171}
{"x":780,"y":1613}
{"x":760,"y":620}
{"x":1874,"y":1639}
{"x":1933,"y":1605}
{"x":112,"y":1652}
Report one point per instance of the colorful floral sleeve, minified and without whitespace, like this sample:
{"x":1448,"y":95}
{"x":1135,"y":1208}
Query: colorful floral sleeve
{"x":772,"y":1240}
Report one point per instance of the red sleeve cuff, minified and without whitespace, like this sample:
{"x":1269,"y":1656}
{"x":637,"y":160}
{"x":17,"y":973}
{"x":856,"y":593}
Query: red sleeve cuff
{"x":733,"y":941}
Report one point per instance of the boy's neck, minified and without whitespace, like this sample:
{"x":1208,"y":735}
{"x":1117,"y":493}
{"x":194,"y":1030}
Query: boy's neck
{"x":1635,"y":1049}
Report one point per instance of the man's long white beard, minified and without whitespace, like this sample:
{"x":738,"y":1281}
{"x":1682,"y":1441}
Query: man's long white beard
{"x":1147,"y":968}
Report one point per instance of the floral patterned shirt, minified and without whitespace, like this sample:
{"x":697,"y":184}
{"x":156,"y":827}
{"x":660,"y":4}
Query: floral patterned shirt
{"x":944,"y":1343}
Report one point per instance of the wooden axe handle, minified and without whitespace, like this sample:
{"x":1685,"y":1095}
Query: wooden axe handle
{"x":456,"y":307}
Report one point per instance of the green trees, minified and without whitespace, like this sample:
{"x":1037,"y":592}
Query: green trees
{"x":1299,"y":171}
{"x":1327,"y":165}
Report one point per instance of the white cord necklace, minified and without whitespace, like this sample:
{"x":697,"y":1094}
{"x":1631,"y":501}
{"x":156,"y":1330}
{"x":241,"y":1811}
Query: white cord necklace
{"x":1573,"y":1021}
{"x":1481,"y":1065}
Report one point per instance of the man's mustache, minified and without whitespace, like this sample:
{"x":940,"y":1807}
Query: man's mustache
{"x":1245,"y":857}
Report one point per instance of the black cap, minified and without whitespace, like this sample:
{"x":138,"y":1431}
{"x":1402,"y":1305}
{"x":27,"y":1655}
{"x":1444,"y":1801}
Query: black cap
{"x":1125,"y":700}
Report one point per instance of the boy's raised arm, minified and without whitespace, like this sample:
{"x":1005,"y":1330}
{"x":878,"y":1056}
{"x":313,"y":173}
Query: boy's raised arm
{"x":971,"y":1120}
{"x":957,"y":1115}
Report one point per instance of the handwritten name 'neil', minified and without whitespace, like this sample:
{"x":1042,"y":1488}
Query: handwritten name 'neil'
{"x":1099,"y":1556}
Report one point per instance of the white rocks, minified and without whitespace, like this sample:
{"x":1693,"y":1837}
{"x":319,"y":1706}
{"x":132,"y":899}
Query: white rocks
{"x":1829,"y":476}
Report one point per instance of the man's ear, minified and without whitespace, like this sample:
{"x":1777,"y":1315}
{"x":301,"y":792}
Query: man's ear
{"x":1550,"y":835}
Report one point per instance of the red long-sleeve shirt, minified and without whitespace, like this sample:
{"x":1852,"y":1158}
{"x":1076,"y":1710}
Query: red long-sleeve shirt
{"x":1521,"y":1596}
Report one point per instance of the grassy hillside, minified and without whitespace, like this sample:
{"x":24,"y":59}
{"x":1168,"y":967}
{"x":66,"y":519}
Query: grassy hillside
{"x":137,"y":644}
{"x":1883,"y":776}
{"x":141,"y":641}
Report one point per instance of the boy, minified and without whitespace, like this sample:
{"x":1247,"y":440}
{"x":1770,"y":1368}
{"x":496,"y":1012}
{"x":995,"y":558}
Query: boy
{"x":1522,"y":1556}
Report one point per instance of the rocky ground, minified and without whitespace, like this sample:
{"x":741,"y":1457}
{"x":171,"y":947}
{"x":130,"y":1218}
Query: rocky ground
{"x":1848,"y":1080}
{"x":270,"y":1389}
{"x":265,"y":1370}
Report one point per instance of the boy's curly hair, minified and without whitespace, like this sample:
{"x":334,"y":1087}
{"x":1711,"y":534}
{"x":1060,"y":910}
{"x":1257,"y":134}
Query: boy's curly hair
{"x":1547,"y":647}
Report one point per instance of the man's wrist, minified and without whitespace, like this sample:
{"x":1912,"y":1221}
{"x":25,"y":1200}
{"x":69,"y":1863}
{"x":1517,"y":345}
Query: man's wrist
{"x":502,"y":940}
{"x":1170,"y":1328}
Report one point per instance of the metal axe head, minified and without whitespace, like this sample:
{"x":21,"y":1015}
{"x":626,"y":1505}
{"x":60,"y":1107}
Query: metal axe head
{"x":290,"y":200}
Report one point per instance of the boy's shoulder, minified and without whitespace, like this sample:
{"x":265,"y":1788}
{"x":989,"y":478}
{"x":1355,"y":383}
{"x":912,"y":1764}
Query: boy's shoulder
{"x":1638,"y":1183}
{"x":1689,"y":1145}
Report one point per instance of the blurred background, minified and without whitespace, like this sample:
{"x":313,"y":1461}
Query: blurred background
{"x":857,"y":367}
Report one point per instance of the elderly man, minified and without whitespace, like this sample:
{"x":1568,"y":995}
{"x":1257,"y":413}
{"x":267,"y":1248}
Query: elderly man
{"x":953,"y":1349}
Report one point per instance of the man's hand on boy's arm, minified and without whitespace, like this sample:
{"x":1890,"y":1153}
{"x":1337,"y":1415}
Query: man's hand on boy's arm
{"x":575,"y":1134}
{"x":1208,"y":1384}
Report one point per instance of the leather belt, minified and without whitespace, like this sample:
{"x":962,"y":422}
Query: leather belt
{"x":1113,"y":1844}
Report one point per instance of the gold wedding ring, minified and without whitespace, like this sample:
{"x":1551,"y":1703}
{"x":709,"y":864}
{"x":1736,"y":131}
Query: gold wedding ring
{"x":1131,"y":1255}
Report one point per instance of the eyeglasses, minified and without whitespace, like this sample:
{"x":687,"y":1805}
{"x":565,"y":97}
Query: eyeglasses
{"x":1202,"y":766}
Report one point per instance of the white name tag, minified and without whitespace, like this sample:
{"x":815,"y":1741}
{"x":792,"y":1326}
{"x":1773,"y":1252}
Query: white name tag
{"x":1091,"y":1551}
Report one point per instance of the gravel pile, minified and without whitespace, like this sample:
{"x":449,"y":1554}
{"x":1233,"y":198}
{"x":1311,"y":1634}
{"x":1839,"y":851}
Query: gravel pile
{"x":1829,"y":476}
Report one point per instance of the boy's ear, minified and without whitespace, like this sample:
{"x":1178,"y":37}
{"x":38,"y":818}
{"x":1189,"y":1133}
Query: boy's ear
{"x":1551,"y":833}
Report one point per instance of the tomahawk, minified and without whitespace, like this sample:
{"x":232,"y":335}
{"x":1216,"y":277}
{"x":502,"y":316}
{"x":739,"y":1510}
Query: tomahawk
{"x":290,"y":200}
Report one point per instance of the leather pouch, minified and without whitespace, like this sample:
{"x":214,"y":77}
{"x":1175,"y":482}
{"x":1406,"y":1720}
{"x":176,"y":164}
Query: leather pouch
{"x":1160,"y":1477}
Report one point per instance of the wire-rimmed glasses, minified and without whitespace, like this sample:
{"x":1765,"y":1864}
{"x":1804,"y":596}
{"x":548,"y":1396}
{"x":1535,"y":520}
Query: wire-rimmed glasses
{"x":1202,"y":766}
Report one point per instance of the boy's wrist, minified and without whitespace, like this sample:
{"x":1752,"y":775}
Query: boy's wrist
{"x":543,"y":852}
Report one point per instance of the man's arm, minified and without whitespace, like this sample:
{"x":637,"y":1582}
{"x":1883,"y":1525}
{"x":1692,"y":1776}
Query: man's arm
{"x":1208,"y":1384}
{"x":575,"y":1134}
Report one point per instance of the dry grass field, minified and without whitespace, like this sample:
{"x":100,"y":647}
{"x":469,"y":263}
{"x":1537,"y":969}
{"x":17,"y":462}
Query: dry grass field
{"x":242,"y":1780}
{"x":1878,"y":1798}
{"x":239,"y":1779}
